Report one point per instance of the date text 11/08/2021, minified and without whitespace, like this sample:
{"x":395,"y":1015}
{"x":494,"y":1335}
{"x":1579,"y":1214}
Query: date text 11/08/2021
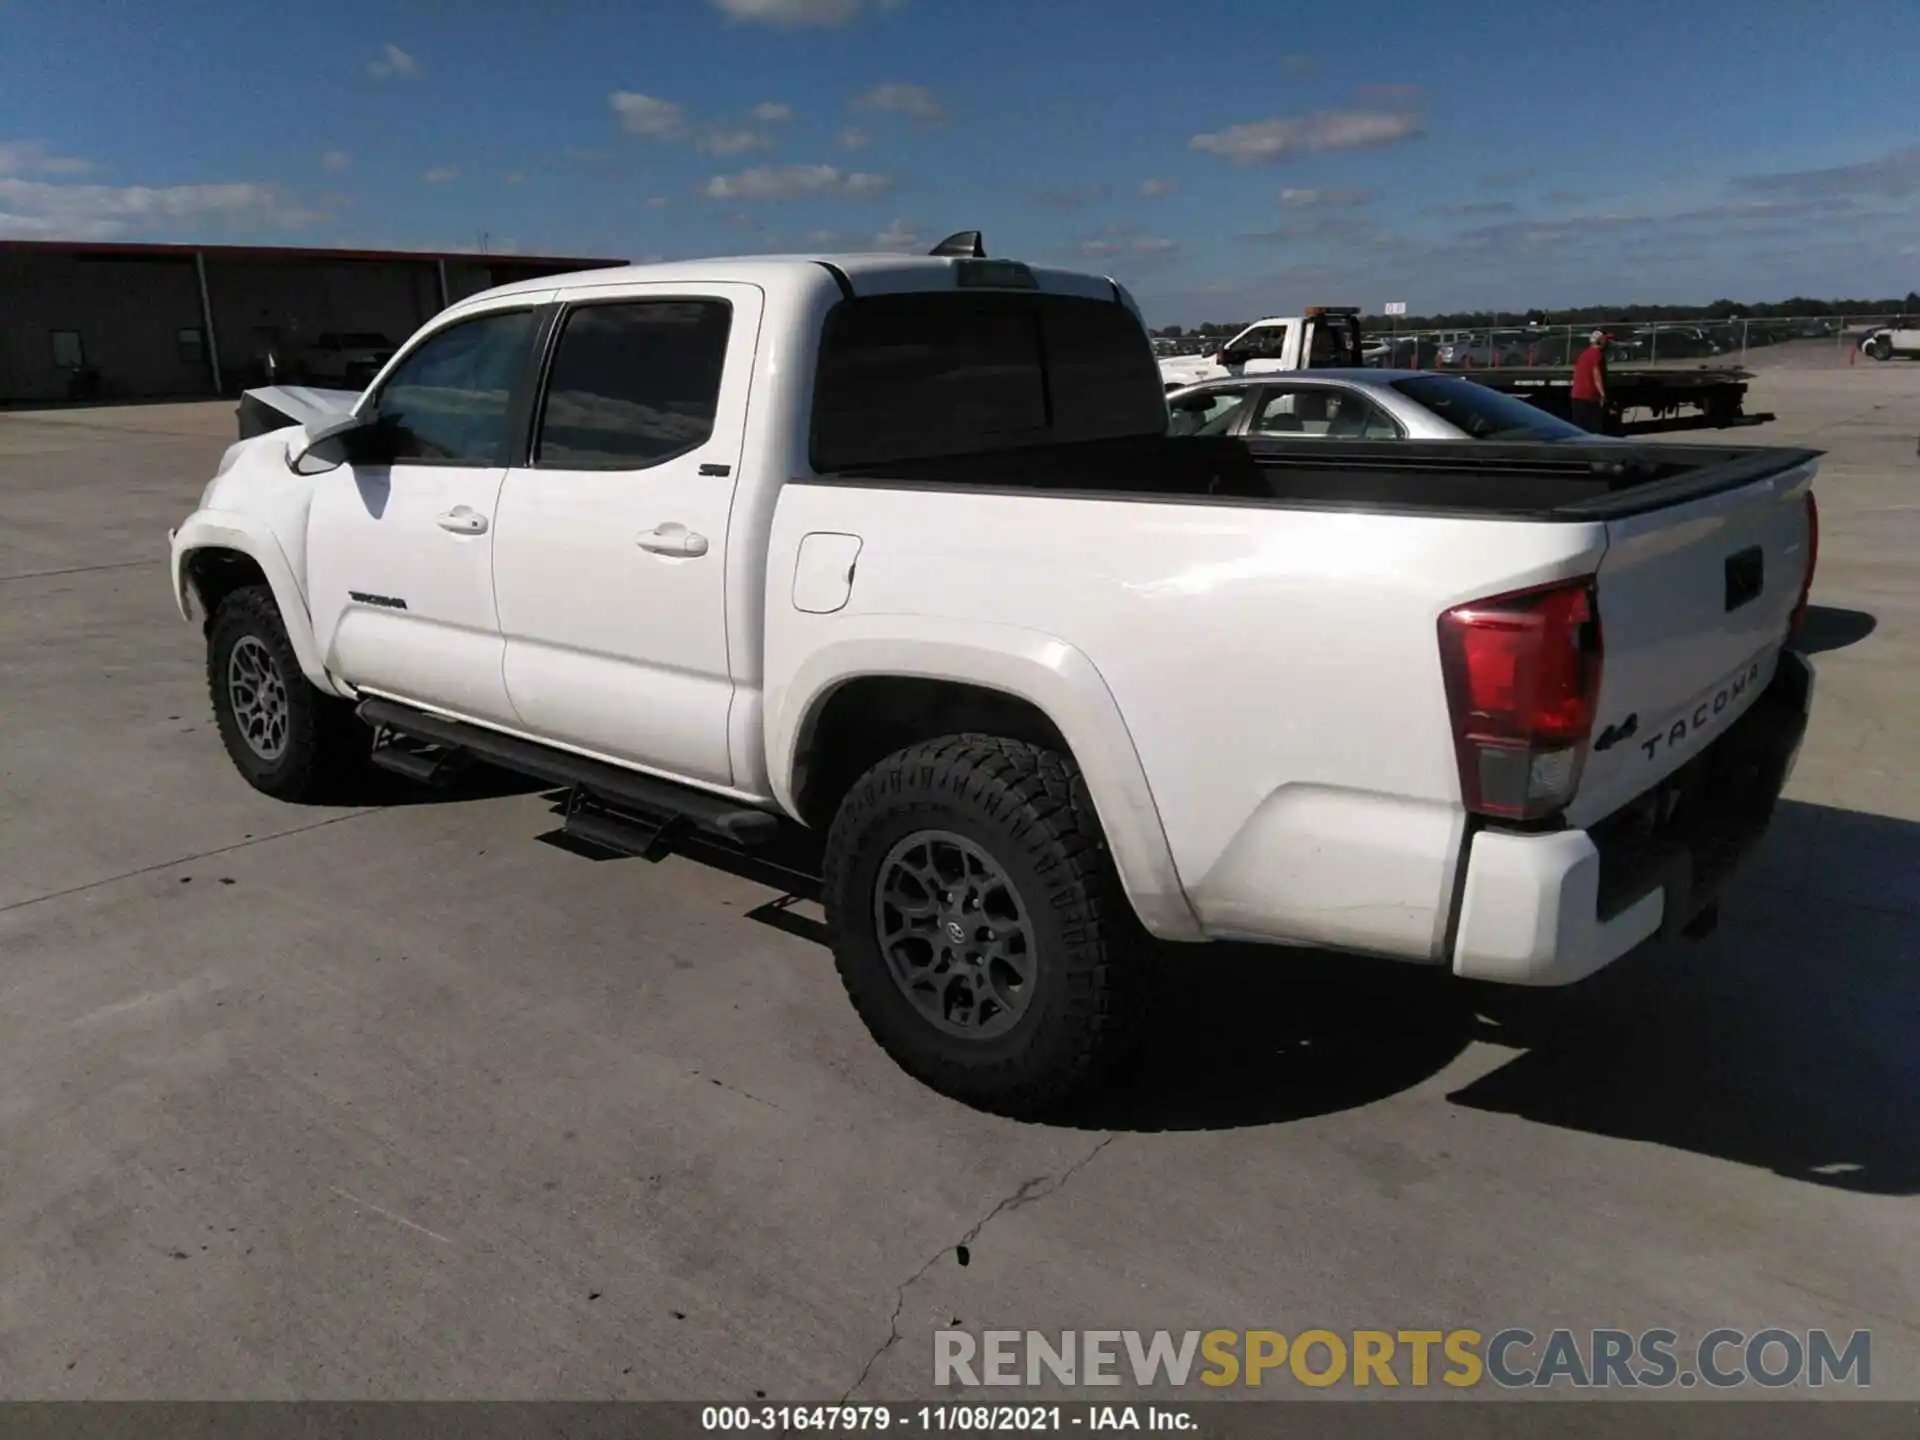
{"x":955,"y":1418}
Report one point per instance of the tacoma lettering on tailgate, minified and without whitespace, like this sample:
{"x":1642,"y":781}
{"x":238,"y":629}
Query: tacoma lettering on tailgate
{"x":1704,"y":714}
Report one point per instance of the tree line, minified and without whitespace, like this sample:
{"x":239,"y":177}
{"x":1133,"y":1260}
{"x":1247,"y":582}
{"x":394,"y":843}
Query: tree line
{"x":1800,"y":306}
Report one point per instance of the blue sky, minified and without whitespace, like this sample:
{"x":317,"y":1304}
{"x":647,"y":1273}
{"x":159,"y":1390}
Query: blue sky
{"x":1222,"y":158}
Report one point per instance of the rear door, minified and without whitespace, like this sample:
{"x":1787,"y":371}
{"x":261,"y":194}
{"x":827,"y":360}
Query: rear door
{"x":611,"y":558}
{"x":1694,"y":605}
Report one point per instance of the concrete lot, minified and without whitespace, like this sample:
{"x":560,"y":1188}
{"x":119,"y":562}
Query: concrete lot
{"x":397,"y":1102}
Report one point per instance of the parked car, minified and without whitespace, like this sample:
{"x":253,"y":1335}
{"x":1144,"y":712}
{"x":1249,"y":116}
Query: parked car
{"x":893,"y":558}
{"x":1673,"y":342}
{"x":1483,"y":350}
{"x":1362,"y":405}
{"x":1901,"y":338}
{"x":349,"y":358}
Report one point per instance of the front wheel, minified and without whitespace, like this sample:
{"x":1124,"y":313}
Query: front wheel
{"x":285,"y":737}
{"x":978,"y":924}
{"x":1881,"y":348}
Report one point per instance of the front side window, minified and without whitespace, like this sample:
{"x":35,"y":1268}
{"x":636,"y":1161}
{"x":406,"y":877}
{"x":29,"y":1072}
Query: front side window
{"x":1263,"y":342}
{"x":450,"y":400}
{"x":1324,"y":414}
{"x":67,"y":353}
{"x":634,"y":383}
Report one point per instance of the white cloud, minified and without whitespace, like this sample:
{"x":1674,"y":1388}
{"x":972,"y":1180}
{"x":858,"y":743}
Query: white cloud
{"x":440,"y":174}
{"x":789,"y":13}
{"x":657,"y":202}
{"x":913,"y":102}
{"x":772,"y":112}
{"x":647,"y":116}
{"x":32,"y":157}
{"x":1297,"y":196}
{"x":1133,"y":245}
{"x":826,"y":239}
{"x":790,"y":182}
{"x":1261,"y":142}
{"x":393,"y":61}
{"x":900,"y":235}
{"x":36,"y":209}
{"x":336,"y":160}
{"x":514,"y":177}
{"x":1155,"y":189}
{"x":721,"y":140}
{"x":853,"y":138}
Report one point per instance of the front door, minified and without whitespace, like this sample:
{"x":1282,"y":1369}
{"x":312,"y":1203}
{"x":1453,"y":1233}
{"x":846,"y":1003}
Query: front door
{"x":400,"y":554}
{"x":611,"y":563}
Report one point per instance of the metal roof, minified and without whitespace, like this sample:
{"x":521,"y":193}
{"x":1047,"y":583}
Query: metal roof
{"x":133,"y":250}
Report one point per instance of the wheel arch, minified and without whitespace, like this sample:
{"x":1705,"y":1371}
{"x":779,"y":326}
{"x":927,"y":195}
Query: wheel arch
{"x":893,"y":681}
{"x":215,"y":555}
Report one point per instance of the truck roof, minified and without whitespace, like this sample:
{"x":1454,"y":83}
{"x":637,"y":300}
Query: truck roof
{"x":870,"y":274}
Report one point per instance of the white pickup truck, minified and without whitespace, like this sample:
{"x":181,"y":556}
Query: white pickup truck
{"x":896,"y":552}
{"x":1326,"y":337}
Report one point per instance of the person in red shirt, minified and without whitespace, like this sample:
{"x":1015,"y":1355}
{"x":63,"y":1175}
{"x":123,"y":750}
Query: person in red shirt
{"x":1590,"y":385}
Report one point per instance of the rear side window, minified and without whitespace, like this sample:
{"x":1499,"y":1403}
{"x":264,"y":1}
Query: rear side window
{"x":911,"y":377}
{"x":1324,"y":413}
{"x":633,"y":384}
{"x":1485,"y":414}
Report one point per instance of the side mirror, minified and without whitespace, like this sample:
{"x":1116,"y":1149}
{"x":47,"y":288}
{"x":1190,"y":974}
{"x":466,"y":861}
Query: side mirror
{"x":332,"y":440}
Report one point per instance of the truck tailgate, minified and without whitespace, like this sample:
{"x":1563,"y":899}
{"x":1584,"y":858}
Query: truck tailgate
{"x":1695,"y":600}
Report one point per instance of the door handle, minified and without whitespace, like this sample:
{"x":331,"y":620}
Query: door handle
{"x":463,"y":520}
{"x":672,"y":539}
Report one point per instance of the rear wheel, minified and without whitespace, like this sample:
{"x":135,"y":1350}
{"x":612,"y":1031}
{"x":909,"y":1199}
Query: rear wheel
{"x":286,"y":738}
{"x":978,"y":925}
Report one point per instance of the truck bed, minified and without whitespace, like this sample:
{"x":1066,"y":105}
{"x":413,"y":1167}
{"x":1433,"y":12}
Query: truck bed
{"x":1529,"y":481}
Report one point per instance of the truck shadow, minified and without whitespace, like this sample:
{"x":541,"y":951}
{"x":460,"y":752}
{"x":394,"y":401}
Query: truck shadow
{"x":1829,"y":628}
{"x":1786,"y":1041}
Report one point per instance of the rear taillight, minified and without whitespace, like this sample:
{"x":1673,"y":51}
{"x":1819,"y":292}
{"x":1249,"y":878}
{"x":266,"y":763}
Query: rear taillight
{"x":1813,"y":559}
{"x":1523,"y":680}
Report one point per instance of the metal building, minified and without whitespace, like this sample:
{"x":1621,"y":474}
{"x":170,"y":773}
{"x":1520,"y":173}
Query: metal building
{"x":92,"y":321}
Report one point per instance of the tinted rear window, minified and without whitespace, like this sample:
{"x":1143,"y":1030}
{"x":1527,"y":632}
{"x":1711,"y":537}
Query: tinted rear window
{"x":1485,"y":414}
{"x":909,"y":377}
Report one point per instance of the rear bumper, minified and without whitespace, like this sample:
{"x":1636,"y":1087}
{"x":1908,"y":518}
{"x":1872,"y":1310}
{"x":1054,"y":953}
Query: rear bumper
{"x":1552,"y":908}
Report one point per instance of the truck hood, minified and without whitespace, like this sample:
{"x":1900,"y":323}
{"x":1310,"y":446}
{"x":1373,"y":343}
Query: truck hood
{"x":1190,"y":370}
{"x":274,"y":407}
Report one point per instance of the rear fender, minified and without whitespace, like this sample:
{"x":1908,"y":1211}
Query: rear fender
{"x":1047,"y":673}
{"x":225,"y":530}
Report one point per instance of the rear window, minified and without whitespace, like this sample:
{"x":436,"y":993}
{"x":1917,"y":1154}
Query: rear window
{"x":1485,"y":414}
{"x":912,"y":377}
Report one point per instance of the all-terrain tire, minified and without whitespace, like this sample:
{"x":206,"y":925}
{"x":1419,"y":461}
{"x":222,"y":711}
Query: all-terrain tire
{"x":1027,"y":809}
{"x":321,"y":755}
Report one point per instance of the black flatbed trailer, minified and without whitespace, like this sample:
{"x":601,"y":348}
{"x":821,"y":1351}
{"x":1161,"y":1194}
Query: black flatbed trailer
{"x":1715,"y":395}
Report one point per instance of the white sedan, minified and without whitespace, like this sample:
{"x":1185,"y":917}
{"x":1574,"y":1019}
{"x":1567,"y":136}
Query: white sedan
{"x":1361,"y":405}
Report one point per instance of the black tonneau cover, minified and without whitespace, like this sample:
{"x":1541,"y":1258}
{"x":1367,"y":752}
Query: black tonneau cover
{"x":1522,"y":480}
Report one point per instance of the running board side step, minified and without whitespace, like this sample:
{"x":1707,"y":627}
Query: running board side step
{"x":606,"y":797}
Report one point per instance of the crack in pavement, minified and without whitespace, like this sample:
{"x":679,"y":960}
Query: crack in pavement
{"x":1029,"y":1192}
{"x":184,"y":859}
{"x":84,"y":570}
